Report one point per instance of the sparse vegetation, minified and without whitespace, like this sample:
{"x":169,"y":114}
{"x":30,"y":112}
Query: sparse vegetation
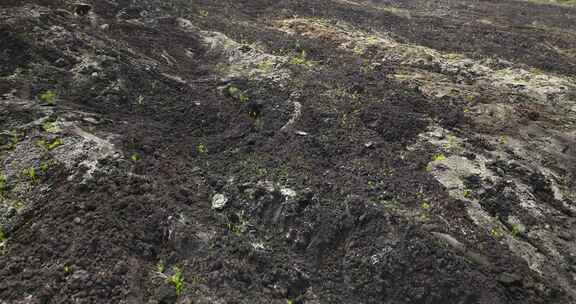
{"x":3,"y":241}
{"x":49,"y":126}
{"x":237,"y":94}
{"x":135,"y":157}
{"x":177,"y":280}
{"x":51,"y":144}
{"x":274,"y":151}
{"x":301,"y":59}
{"x":48,"y":97}
{"x":497,"y":232}
{"x":31,"y":175}
{"x":439,"y":157}
{"x":201,"y":149}
{"x":424,"y":211}
{"x":3,"y":185}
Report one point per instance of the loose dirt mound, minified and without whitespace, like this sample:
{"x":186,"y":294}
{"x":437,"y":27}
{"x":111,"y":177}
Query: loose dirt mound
{"x":266,"y":151}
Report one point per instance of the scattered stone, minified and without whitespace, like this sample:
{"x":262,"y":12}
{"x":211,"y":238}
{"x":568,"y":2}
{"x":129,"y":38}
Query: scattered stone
{"x":219,"y":201}
{"x":369,"y":144}
{"x":301,"y":133}
{"x":509,"y":279}
{"x":91,"y":120}
{"x":288,"y":192}
{"x":80,"y":275}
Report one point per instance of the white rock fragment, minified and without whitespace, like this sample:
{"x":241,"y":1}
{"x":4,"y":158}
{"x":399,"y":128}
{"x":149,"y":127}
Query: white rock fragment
{"x":219,"y":201}
{"x":287,"y":192}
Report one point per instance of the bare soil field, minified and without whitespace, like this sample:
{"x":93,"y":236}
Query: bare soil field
{"x":288,"y":151}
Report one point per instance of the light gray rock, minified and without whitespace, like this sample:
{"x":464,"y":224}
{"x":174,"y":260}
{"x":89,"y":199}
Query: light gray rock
{"x":219,"y":201}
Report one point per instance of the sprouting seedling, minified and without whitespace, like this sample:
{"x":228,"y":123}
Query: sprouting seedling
{"x":439,"y":157}
{"x":135,"y":157}
{"x":3,"y":185}
{"x":55,"y":144}
{"x":425,"y":206}
{"x":49,"y":126}
{"x":503,"y":140}
{"x":44,"y":167}
{"x":3,"y":240}
{"x":31,"y":175}
{"x":497,"y":232}
{"x":232,"y":90}
{"x":50,"y":145}
{"x":201,"y":148}
{"x":236,"y":93}
{"x":424,"y":211}
{"x":48,"y":97}
{"x":300,"y":59}
{"x":370,"y":184}
{"x":177,"y":280}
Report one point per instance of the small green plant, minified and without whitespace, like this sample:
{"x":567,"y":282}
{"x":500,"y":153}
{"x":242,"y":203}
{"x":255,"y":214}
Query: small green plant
{"x":31,"y":175}
{"x":135,"y":157}
{"x":266,"y":66}
{"x":467,"y":193}
{"x":55,"y":144}
{"x":201,"y":148}
{"x":497,"y":232}
{"x":44,"y":167}
{"x":48,"y":97}
{"x":3,"y":241}
{"x":67,"y":269}
{"x":177,"y":280}
{"x":3,"y":185}
{"x":517,"y":229}
{"x":49,"y":126}
{"x":503,"y":140}
{"x":50,"y":145}
{"x":371,"y":184}
{"x":424,"y":211}
{"x":439,"y":157}
{"x":237,"y":94}
{"x":300,"y":59}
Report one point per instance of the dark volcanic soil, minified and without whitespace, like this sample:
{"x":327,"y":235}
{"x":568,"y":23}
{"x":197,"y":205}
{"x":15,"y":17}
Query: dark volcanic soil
{"x":261,"y":151}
